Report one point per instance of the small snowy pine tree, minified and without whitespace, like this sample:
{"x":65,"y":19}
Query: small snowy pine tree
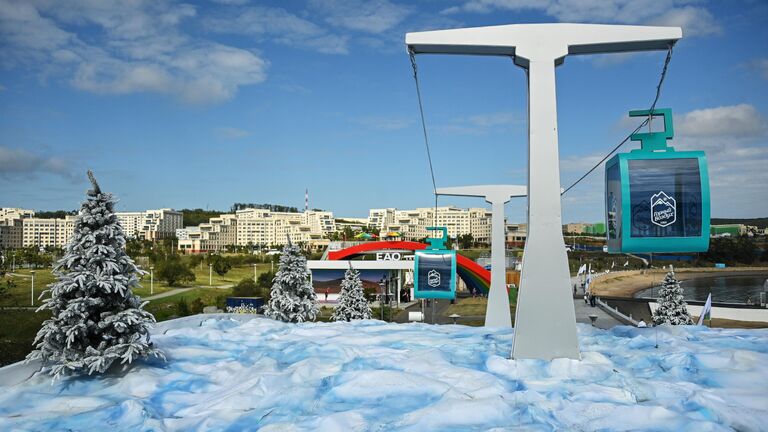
{"x":96,"y":317}
{"x":352,"y":302}
{"x":292,"y":297}
{"x":672,"y":308}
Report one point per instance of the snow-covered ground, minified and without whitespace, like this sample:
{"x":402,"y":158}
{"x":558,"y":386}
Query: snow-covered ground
{"x":269,"y":376}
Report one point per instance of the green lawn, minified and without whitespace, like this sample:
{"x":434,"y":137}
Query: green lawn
{"x":21,"y":294}
{"x":475,"y":307}
{"x":167,"y":307}
{"x":17,"y":332}
{"x":232,"y":277}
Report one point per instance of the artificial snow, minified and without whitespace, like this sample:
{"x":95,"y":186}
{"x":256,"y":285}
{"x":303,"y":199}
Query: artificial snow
{"x":368,"y":375}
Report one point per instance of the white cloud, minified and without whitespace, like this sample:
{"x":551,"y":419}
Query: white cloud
{"x":371,"y":16}
{"x":695,"y":20}
{"x":137,"y":47}
{"x":494,"y":119}
{"x":761,"y":66}
{"x":232,"y":2}
{"x":232,"y":133}
{"x":18,"y":163}
{"x":384,"y":123}
{"x":735,"y":140}
{"x":741,"y":120}
{"x":278,"y":25}
{"x":480,"y":124}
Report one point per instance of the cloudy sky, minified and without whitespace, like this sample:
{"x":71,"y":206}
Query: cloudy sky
{"x":203,"y":104}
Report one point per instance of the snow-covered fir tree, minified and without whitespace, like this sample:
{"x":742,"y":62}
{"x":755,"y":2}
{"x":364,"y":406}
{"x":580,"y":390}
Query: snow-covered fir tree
{"x":352,"y":302}
{"x":672,"y":308}
{"x":97,"y":319}
{"x":292,"y":297}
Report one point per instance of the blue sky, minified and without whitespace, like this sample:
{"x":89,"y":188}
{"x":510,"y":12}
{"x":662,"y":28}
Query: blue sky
{"x":203,"y":104}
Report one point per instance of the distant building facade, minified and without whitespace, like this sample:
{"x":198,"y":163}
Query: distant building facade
{"x":412,"y":224}
{"x":258,"y":228}
{"x":47,"y":232}
{"x":12,"y":226}
{"x":151,"y":224}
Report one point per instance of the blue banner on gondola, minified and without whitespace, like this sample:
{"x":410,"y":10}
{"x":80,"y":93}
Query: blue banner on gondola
{"x":435,"y":274}
{"x":657,"y":199}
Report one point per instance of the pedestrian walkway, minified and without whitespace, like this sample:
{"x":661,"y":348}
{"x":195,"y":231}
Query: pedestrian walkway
{"x":181,"y":290}
{"x":583,"y":311}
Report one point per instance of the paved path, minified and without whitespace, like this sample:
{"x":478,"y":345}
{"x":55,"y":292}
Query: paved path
{"x":583,"y":311}
{"x":181,"y":290}
{"x":167,"y":293}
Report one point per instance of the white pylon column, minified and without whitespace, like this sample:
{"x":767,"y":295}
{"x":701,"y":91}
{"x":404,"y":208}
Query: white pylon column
{"x":497,"y":312}
{"x":545,"y":323}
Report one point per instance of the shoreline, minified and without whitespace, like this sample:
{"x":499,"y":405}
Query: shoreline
{"x":627,"y":283}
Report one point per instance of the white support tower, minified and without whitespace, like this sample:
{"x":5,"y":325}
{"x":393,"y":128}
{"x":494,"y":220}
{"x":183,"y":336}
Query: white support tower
{"x":497,"y":312}
{"x":545,"y":322}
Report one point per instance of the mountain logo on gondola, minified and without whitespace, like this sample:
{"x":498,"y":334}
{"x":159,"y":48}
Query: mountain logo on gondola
{"x":433,"y":278}
{"x":663,"y":211}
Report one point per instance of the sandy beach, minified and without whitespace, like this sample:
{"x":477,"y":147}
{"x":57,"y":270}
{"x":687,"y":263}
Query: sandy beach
{"x":627,"y":283}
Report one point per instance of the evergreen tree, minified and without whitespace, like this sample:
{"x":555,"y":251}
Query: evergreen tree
{"x":672,"y":308}
{"x":96,"y":317}
{"x":292,"y":298}
{"x":352,"y":302}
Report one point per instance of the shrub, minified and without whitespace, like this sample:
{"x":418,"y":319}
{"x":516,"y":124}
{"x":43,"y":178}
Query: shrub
{"x":245,"y":288}
{"x":221,"y":265}
{"x":196,"y":307}
{"x":182,"y":307}
{"x":173,"y":271}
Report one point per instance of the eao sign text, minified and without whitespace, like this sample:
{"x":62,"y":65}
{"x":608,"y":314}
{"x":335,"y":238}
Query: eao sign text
{"x":388,"y":256}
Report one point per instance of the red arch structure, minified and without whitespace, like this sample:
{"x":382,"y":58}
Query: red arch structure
{"x":471,"y":273}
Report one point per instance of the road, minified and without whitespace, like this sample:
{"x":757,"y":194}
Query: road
{"x":181,"y":290}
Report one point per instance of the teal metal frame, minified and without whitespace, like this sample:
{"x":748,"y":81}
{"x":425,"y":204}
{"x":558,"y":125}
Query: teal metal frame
{"x":654,"y":147}
{"x":436,"y":247}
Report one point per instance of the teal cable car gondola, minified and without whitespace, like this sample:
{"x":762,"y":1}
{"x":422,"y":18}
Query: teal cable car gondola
{"x":435,"y":269}
{"x":657,"y":199}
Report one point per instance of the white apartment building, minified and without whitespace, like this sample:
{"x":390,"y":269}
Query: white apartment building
{"x":412,"y":224}
{"x":381,"y":218}
{"x":47,"y":232}
{"x":257,"y":227}
{"x":184,"y":233}
{"x":12,"y":227}
{"x":213,"y":236}
{"x":265,"y":227}
{"x":10,"y":213}
{"x":151,"y":224}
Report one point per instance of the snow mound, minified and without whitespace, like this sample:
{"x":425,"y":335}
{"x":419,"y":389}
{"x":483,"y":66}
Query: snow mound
{"x":369,"y":375}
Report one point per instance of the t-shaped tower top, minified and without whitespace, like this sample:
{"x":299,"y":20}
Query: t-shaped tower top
{"x":545,"y":322}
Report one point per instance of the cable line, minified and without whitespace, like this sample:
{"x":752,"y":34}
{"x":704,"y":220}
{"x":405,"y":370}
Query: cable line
{"x":412,"y":54}
{"x":647,"y":121}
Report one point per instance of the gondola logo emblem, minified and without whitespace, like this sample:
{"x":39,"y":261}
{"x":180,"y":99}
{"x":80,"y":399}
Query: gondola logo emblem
{"x":663,"y":211}
{"x":433,"y":278}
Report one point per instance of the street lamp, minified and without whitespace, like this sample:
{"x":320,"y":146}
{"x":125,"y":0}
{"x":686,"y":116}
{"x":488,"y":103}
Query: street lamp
{"x":151,"y":280}
{"x":254,"y":273}
{"x":382,"y":284}
{"x":32,"y":272}
{"x":210,"y":274}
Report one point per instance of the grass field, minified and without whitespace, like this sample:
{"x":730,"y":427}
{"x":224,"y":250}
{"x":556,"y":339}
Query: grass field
{"x":17,"y":331}
{"x":167,"y":307}
{"x":474,"y":307}
{"x":20,"y":294}
{"x":19,"y":327}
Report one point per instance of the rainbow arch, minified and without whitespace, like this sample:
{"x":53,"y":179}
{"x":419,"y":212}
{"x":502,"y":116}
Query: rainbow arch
{"x":474,"y":276}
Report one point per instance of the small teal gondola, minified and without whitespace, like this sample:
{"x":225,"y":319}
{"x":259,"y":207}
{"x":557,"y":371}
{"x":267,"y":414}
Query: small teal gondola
{"x":435,"y":269}
{"x":657,"y":199}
